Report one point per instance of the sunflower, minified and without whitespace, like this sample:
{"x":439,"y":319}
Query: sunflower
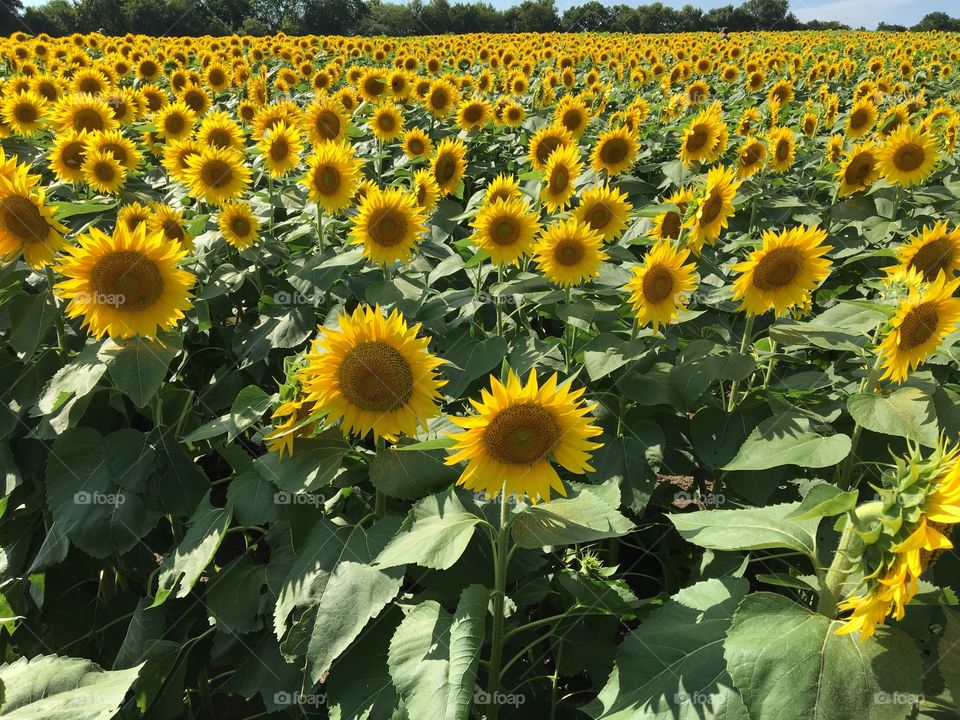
{"x":175,"y":156}
{"x":440,"y":98}
{"x":922,"y":320}
{"x":516,"y":432}
{"x":27,"y":224}
{"x":83,"y":112}
{"x":113,"y":142}
{"x":789,"y":265}
{"x":416,"y":143}
{"x":125,"y":284}
{"x":750,"y":157}
{"x":449,"y":164}
{"x":281,"y":147}
{"x":605,"y":210}
{"x":216,"y":175}
{"x":133,"y":214}
{"x":386,"y":122}
{"x":704,"y":139}
{"x":544,"y":142}
{"x":559,"y":174}
{"x":863,"y":116}
{"x":473,"y":114}
{"x":332,"y":176}
{"x":168,"y":221}
{"x":783,"y":149}
{"x":512,"y":114}
{"x":425,"y":188}
{"x":569,"y":252}
{"x":325,"y":121}
{"x":714,"y":208}
{"x":660,"y":287}
{"x":859,"y":169}
{"x":103,"y":172}
{"x":388,"y":225}
{"x":668,"y":224}
{"x":615,"y":151}
{"x":219,"y":130}
{"x":373,"y":375}
{"x":503,"y":187}
{"x":505,"y":229}
{"x":908,"y":156}
{"x":572,"y":114}
{"x":933,"y":250}
{"x":238,"y":225}
{"x":24,"y":112}
{"x":834,"y":149}
{"x":67,"y":154}
{"x":196,"y":98}
{"x":174,"y":121}
{"x":282,"y":436}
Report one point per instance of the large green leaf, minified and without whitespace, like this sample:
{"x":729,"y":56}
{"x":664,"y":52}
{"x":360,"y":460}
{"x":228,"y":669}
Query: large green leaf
{"x":789,"y":439}
{"x":74,"y":380}
{"x":434,"y":656}
{"x":409,"y":475}
{"x":672,"y":665}
{"x":589,"y":513}
{"x":314,"y":464}
{"x":139,"y":365}
{"x":906,"y":412}
{"x":470,"y":359}
{"x":749,"y":529}
{"x":788,"y":663}
{"x":435,"y":534}
{"x":48,"y":687}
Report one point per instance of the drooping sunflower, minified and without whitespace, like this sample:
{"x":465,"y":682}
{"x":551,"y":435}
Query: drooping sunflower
{"x":425,"y":188}
{"x":505,"y":229}
{"x":133,"y":214}
{"x":103,"y":172}
{"x":859,"y":169}
{"x":67,"y":154}
{"x":783,"y":149}
{"x":544,"y":142}
{"x":863,"y":116}
{"x":284,"y":434}
{"x":788,"y":265}
{"x":714,"y":209}
{"x":388,"y":225}
{"x":559,"y":175}
{"x":27,"y":224}
{"x":333,"y":175}
{"x":125,"y":284}
{"x":908,"y":156}
{"x":386,"y":122}
{"x":922,"y":320}
{"x":750,"y":156}
{"x":238,"y":225}
{"x":325,"y":121}
{"x":661,"y":285}
{"x":615,"y":151}
{"x":569,"y":252}
{"x":216,"y":175}
{"x":449,"y":164}
{"x":83,"y":112}
{"x":605,"y":210}
{"x":281,"y":147}
{"x":834,"y":148}
{"x":416,"y":143}
{"x":373,"y":375}
{"x":174,"y":121}
{"x":516,"y":432}
{"x":24,"y":112}
{"x":933,"y":250}
{"x":168,"y":221}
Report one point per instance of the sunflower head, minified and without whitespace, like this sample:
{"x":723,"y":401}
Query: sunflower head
{"x":908,"y":156}
{"x":238,"y":225}
{"x":505,"y":229}
{"x":569,"y":252}
{"x":615,"y":151}
{"x":416,"y":143}
{"x":332,"y":176}
{"x":859,"y":169}
{"x":661,"y":285}
{"x":386,"y":122}
{"x":449,"y":164}
{"x":216,"y":174}
{"x":545,"y":141}
{"x":559,"y":174}
{"x":605,"y":210}
{"x":388,"y":225}
{"x":281,"y":146}
{"x":27,"y":224}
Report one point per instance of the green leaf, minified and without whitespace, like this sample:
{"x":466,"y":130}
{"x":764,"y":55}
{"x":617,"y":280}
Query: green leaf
{"x":907,"y":412}
{"x":248,"y":407}
{"x":314,"y":464}
{"x":75,"y":379}
{"x":587,"y":514}
{"x":824,"y":500}
{"x":48,"y":687}
{"x":703,"y":363}
{"x":233,"y":596}
{"x":434,"y":656}
{"x":788,"y":439}
{"x":948,"y":652}
{"x":624,"y":460}
{"x":409,"y":475}
{"x":31,"y":319}
{"x":139,"y":365}
{"x":607,"y":353}
{"x":469,"y":360}
{"x":748,"y":529}
{"x":672,"y":666}
{"x":181,"y":569}
{"x":774,"y":643}
{"x":435,"y":534}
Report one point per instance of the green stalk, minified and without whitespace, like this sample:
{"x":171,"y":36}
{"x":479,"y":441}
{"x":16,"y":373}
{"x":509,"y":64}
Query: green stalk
{"x":843,"y":475}
{"x":380,"y":505}
{"x":744,"y":342}
{"x":61,"y":343}
{"x":773,"y":352}
{"x":848,"y":550}
{"x":500,"y":562}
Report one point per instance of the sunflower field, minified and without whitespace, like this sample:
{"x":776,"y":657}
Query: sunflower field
{"x":487,"y":376}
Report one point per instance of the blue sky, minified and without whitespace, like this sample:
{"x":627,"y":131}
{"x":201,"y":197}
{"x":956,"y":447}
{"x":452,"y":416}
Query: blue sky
{"x":853,"y":12}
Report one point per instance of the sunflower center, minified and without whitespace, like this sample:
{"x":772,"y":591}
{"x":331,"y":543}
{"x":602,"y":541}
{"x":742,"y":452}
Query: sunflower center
{"x":279,"y":149}
{"x":614,"y":151}
{"x":933,"y":257}
{"x":87,"y":119}
{"x":127,"y":280}
{"x":783,"y":150}
{"x":104,"y":172}
{"x":859,"y":169}
{"x":908,"y":157}
{"x":387,"y":227}
{"x":751,"y":155}
{"x":777,"y":269}
{"x":572,"y":120}
{"x":559,"y":179}
{"x":73,"y":154}
{"x":505,"y":232}
{"x":546,"y":147}
{"x":711,"y":208}
{"x":568,"y":252}
{"x":439,"y":99}
{"x":657,"y":284}
{"x":445,"y":169}
{"x":415,"y":146}
{"x":697,"y":139}
{"x":22,"y":218}
{"x":671,"y":225}
{"x":25,"y":113}
{"x":118,"y":151}
{"x":598,"y":216}
{"x":473,"y":113}
{"x":918,"y":326}
{"x":375,"y":377}
{"x":859,"y":119}
{"x":216,"y":174}
{"x":521,"y":434}
{"x":327,"y":180}
{"x":174,"y":124}
{"x":240,"y":226}
{"x":220,"y":138}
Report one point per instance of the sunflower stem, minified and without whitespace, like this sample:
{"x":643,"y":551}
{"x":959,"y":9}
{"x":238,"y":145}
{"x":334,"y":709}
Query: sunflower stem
{"x":744,"y":343}
{"x":501,"y":559}
{"x":496,"y":302}
{"x":770,"y":364}
{"x":845,"y":470}
{"x":319,"y":227}
{"x":61,"y":343}
{"x":380,"y":502}
{"x":849,"y":548}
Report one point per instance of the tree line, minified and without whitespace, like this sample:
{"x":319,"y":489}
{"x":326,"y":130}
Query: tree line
{"x":376,"y":17}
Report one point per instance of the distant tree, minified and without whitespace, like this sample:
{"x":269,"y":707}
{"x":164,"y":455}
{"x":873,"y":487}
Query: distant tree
{"x":331,"y":17}
{"x":10,"y":17}
{"x":825,"y":25}
{"x":532,"y":16}
{"x":229,"y":13}
{"x":689,"y":19}
{"x":435,"y":17}
{"x":732,"y":18}
{"x":937,"y":21}
{"x":589,"y":17}
{"x":475,"y":17}
{"x":769,"y":14}
{"x":57,"y":18}
{"x":385,"y":18}
{"x":656,"y":18}
{"x":623,"y":18}
{"x":253,"y":26}
{"x":890,"y":27}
